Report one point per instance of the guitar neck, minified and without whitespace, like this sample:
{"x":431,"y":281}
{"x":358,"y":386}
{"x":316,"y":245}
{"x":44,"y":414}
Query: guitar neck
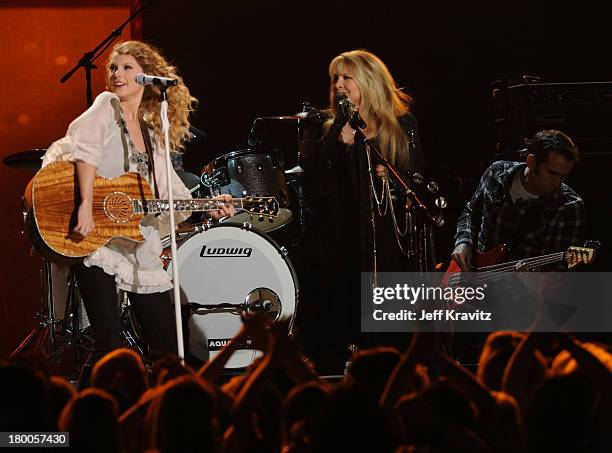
{"x":153,"y":206}
{"x":529,"y":263}
{"x":486,"y":273}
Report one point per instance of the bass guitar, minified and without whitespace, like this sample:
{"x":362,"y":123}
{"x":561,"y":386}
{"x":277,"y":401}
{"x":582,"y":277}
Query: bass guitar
{"x":491,"y":264}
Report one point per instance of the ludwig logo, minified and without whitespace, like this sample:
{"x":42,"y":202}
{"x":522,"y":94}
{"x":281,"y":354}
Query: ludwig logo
{"x":225,"y":252}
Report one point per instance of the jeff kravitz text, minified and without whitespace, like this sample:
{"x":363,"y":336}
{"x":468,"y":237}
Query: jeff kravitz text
{"x":435,"y":315}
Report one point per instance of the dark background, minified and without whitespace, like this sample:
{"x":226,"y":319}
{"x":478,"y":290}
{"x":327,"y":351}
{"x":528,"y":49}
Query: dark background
{"x":248,"y":59}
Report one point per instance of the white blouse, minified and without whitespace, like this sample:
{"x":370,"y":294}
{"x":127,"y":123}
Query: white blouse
{"x":98,"y":138}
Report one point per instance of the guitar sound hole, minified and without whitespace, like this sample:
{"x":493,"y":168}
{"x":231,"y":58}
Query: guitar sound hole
{"x":118,"y":207}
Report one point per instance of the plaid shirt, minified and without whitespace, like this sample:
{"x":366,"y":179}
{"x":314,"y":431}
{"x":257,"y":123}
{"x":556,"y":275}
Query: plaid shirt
{"x":491,"y":217}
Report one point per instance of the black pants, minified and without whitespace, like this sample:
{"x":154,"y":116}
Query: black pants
{"x":154,"y":313}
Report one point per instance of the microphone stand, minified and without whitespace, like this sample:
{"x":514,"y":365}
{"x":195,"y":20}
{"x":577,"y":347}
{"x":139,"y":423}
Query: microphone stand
{"x":175,"y":272}
{"x":88,"y":58}
{"x":409,"y":192}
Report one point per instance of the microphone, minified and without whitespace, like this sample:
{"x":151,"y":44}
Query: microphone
{"x":346,"y":111}
{"x":344,"y":107}
{"x":145,"y":79}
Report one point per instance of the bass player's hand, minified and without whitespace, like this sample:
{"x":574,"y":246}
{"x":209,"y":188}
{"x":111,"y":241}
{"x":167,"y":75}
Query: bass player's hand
{"x":463,"y":256}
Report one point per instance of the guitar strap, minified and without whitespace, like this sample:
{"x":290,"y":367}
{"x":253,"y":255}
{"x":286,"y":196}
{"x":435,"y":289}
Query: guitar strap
{"x":147,"y":139}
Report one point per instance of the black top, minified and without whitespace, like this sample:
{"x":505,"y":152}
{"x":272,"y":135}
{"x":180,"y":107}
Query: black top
{"x":337,"y":186}
{"x":344,"y":228}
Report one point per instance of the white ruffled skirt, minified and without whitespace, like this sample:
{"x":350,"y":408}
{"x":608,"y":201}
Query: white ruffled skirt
{"x":137,"y":267}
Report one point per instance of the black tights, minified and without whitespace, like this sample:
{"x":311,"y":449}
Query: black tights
{"x":154,"y":313}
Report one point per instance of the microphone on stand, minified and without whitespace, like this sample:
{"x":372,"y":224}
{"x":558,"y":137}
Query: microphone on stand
{"x":346,"y":112}
{"x":145,"y":79}
{"x":344,"y":108}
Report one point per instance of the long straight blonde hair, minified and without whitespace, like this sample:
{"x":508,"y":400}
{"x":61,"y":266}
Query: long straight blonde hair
{"x":381,"y":100}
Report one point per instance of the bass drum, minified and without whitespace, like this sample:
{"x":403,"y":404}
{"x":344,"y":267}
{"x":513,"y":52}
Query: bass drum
{"x":225,"y":270}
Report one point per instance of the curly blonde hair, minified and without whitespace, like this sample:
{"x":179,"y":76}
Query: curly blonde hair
{"x":381,"y":100}
{"x":180,"y":102}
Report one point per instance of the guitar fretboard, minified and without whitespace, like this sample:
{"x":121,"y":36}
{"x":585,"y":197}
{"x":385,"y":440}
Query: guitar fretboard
{"x":153,"y":206}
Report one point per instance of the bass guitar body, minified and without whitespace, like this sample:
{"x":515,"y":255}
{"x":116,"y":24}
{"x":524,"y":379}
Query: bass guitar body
{"x":479,"y":259}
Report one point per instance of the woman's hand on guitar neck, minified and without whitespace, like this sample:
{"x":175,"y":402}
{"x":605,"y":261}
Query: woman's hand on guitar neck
{"x":462,"y":255}
{"x":227,"y":209}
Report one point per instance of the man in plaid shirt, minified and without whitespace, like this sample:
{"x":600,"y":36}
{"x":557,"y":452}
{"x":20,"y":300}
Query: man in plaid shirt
{"x":524,"y":205}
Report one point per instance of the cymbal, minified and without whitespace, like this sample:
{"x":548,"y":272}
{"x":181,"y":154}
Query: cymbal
{"x":30,"y":160}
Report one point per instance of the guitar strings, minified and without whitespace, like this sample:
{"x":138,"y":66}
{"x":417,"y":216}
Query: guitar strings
{"x":507,"y":268}
{"x":511,"y":266}
{"x":188,"y":204}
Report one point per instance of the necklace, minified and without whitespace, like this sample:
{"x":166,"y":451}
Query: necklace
{"x":138,"y":160}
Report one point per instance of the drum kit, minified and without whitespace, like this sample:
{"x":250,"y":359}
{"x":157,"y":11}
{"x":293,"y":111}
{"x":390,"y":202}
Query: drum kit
{"x":236,"y":265}
{"x":227,"y":267}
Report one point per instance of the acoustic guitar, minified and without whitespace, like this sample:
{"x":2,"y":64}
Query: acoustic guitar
{"x":119,"y":204}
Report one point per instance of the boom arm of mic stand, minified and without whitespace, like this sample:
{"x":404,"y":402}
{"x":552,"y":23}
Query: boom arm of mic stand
{"x":88,"y":58}
{"x":407,"y":190}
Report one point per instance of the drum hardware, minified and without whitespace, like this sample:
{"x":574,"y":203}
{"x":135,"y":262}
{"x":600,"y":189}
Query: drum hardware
{"x":306,"y":108}
{"x":78,"y":336}
{"x":186,"y":230}
{"x":129,"y":330}
{"x":217,"y":179}
{"x":295,"y":171}
{"x":261,"y":301}
{"x":45,"y":330}
{"x":132,"y":342}
{"x":253,"y":303}
{"x":255,"y":139}
{"x":44,"y":337}
{"x":295,"y":179}
{"x":30,"y":160}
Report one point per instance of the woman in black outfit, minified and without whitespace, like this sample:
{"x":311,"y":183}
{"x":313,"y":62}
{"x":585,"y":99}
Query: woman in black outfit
{"x":352,"y":228}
